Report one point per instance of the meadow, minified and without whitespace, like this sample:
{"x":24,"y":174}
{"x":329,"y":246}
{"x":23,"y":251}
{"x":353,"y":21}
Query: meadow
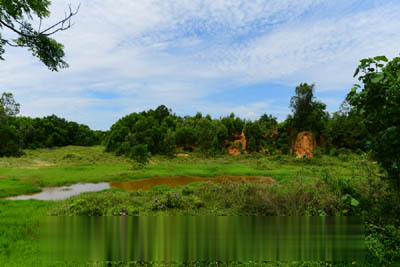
{"x":345,"y":185}
{"x":68,"y":165}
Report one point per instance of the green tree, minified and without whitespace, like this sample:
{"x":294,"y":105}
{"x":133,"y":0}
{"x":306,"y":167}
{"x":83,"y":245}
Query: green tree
{"x":140,"y":154}
{"x":17,"y":17}
{"x":346,"y":130}
{"x":254,"y":136}
{"x":8,"y":107}
{"x":378,"y":103}
{"x":10,"y":140}
{"x":169,"y":144}
{"x":308,"y":114}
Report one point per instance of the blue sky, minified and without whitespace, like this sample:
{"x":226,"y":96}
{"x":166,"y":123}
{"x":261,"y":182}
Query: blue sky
{"x":212,"y":56}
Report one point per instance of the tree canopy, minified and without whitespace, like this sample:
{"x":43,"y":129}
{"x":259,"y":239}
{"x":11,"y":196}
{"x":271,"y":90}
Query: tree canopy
{"x":8,"y":107}
{"x":10,"y":140}
{"x":18,"y":17}
{"x":308,"y":114}
{"x":377,"y":102}
{"x":17,"y":133}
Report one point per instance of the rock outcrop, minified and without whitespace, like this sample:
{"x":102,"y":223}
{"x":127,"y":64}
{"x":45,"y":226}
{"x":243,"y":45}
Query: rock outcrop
{"x":304,"y":144}
{"x":239,"y":145}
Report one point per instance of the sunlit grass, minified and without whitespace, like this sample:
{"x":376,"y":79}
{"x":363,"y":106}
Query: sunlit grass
{"x":68,"y":165}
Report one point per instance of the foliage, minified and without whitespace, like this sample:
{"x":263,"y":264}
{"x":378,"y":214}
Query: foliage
{"x":378,"y":104}
{"x":24,"y":132}
{"x":21,"y":13}
{"x":234,"y":126}
{"x":146,"y":128}
{"x":10,"y":144}
{"x":140,"y":154}
{"x":10,"y":139}
{"x":346,"y":130}
{"x":8,"y":107}
{"x":254,"y":136}
{"x":53,"y":131}
{"x":307,"y":113}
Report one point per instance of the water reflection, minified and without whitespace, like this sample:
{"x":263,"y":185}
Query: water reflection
{"x":64,"y":192}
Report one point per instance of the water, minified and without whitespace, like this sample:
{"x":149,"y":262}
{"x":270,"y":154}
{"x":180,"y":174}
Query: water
{"x":64,"y":192}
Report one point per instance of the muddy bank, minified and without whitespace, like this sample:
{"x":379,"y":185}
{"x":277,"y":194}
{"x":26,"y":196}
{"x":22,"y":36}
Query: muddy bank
{"x":146,"y":184}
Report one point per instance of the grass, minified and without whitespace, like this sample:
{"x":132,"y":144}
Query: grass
{"x":68,"y":165}
{"x":305,"y":187}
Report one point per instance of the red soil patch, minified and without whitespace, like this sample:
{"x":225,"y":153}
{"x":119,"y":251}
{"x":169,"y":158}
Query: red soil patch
{"x":239,"y":145}
{"x":304,"y":144}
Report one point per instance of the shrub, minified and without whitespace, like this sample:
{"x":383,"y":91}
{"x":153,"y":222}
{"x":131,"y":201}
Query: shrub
{"x":168,"y":201}
{"x":140,"y":154}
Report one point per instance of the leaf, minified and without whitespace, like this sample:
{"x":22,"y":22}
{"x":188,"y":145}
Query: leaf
{"x":354,"y":202}
{"x":381,"y":58}
{"x":357,"y":71}
{"x":378,"y":78}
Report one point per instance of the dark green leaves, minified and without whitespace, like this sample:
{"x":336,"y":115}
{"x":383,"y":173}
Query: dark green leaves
{"x":47,"y":50}
{"x":379,"y":77}
{"x":16,"y":16}
{"x":378,"y":104}
{"x":381,"y":58}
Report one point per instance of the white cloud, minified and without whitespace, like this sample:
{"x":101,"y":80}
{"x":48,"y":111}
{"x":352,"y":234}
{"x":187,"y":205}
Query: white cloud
{"x":179,"y":53}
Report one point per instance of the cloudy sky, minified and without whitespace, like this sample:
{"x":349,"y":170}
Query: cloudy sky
{"x":212,"y":56}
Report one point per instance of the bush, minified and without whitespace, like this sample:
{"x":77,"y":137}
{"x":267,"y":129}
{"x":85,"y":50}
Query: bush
{"x":170,"y":200}
{"x":140,"y":154}
{"x":10,"y":141}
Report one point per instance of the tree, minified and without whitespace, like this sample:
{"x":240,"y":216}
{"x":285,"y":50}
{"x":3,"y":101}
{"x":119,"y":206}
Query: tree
{"x":8,"y":107}
{"x":18,"y":15}
{"x":254,"y":136}
{"x":307,"y":113}
{"x":378,"y":104}
{"x":10,"y":141}
{"x":346,"y":130}
{"x":140,"y":154}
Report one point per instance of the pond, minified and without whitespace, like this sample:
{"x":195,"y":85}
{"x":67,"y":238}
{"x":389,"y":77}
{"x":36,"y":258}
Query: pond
{"x":64,"y":192}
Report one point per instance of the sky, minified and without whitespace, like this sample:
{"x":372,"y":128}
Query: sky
{"x":211,"y":56}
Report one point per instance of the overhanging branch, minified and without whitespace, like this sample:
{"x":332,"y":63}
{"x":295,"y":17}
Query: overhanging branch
{"x":27,"y":32}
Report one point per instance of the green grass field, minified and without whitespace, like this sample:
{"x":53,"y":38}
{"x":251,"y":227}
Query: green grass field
{"x":62,"y":166}
{"x":324,"y":186}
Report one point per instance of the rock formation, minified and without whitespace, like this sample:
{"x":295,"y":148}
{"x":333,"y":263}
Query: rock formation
{"x":239,"y":145}
{"x":304,"y":144}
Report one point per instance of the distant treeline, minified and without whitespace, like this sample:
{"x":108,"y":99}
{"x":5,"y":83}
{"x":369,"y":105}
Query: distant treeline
{"x":160,"y":131}
{"x":53,"y":131}
{"x":368,"y":120}
{"x":17,"y":133}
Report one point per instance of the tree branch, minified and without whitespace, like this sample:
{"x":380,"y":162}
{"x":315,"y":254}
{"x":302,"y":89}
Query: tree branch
{"x":33,"y":34}
{"x":62,"y":22}
{"x":13,"y":29}
{"x":13,"y":45}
